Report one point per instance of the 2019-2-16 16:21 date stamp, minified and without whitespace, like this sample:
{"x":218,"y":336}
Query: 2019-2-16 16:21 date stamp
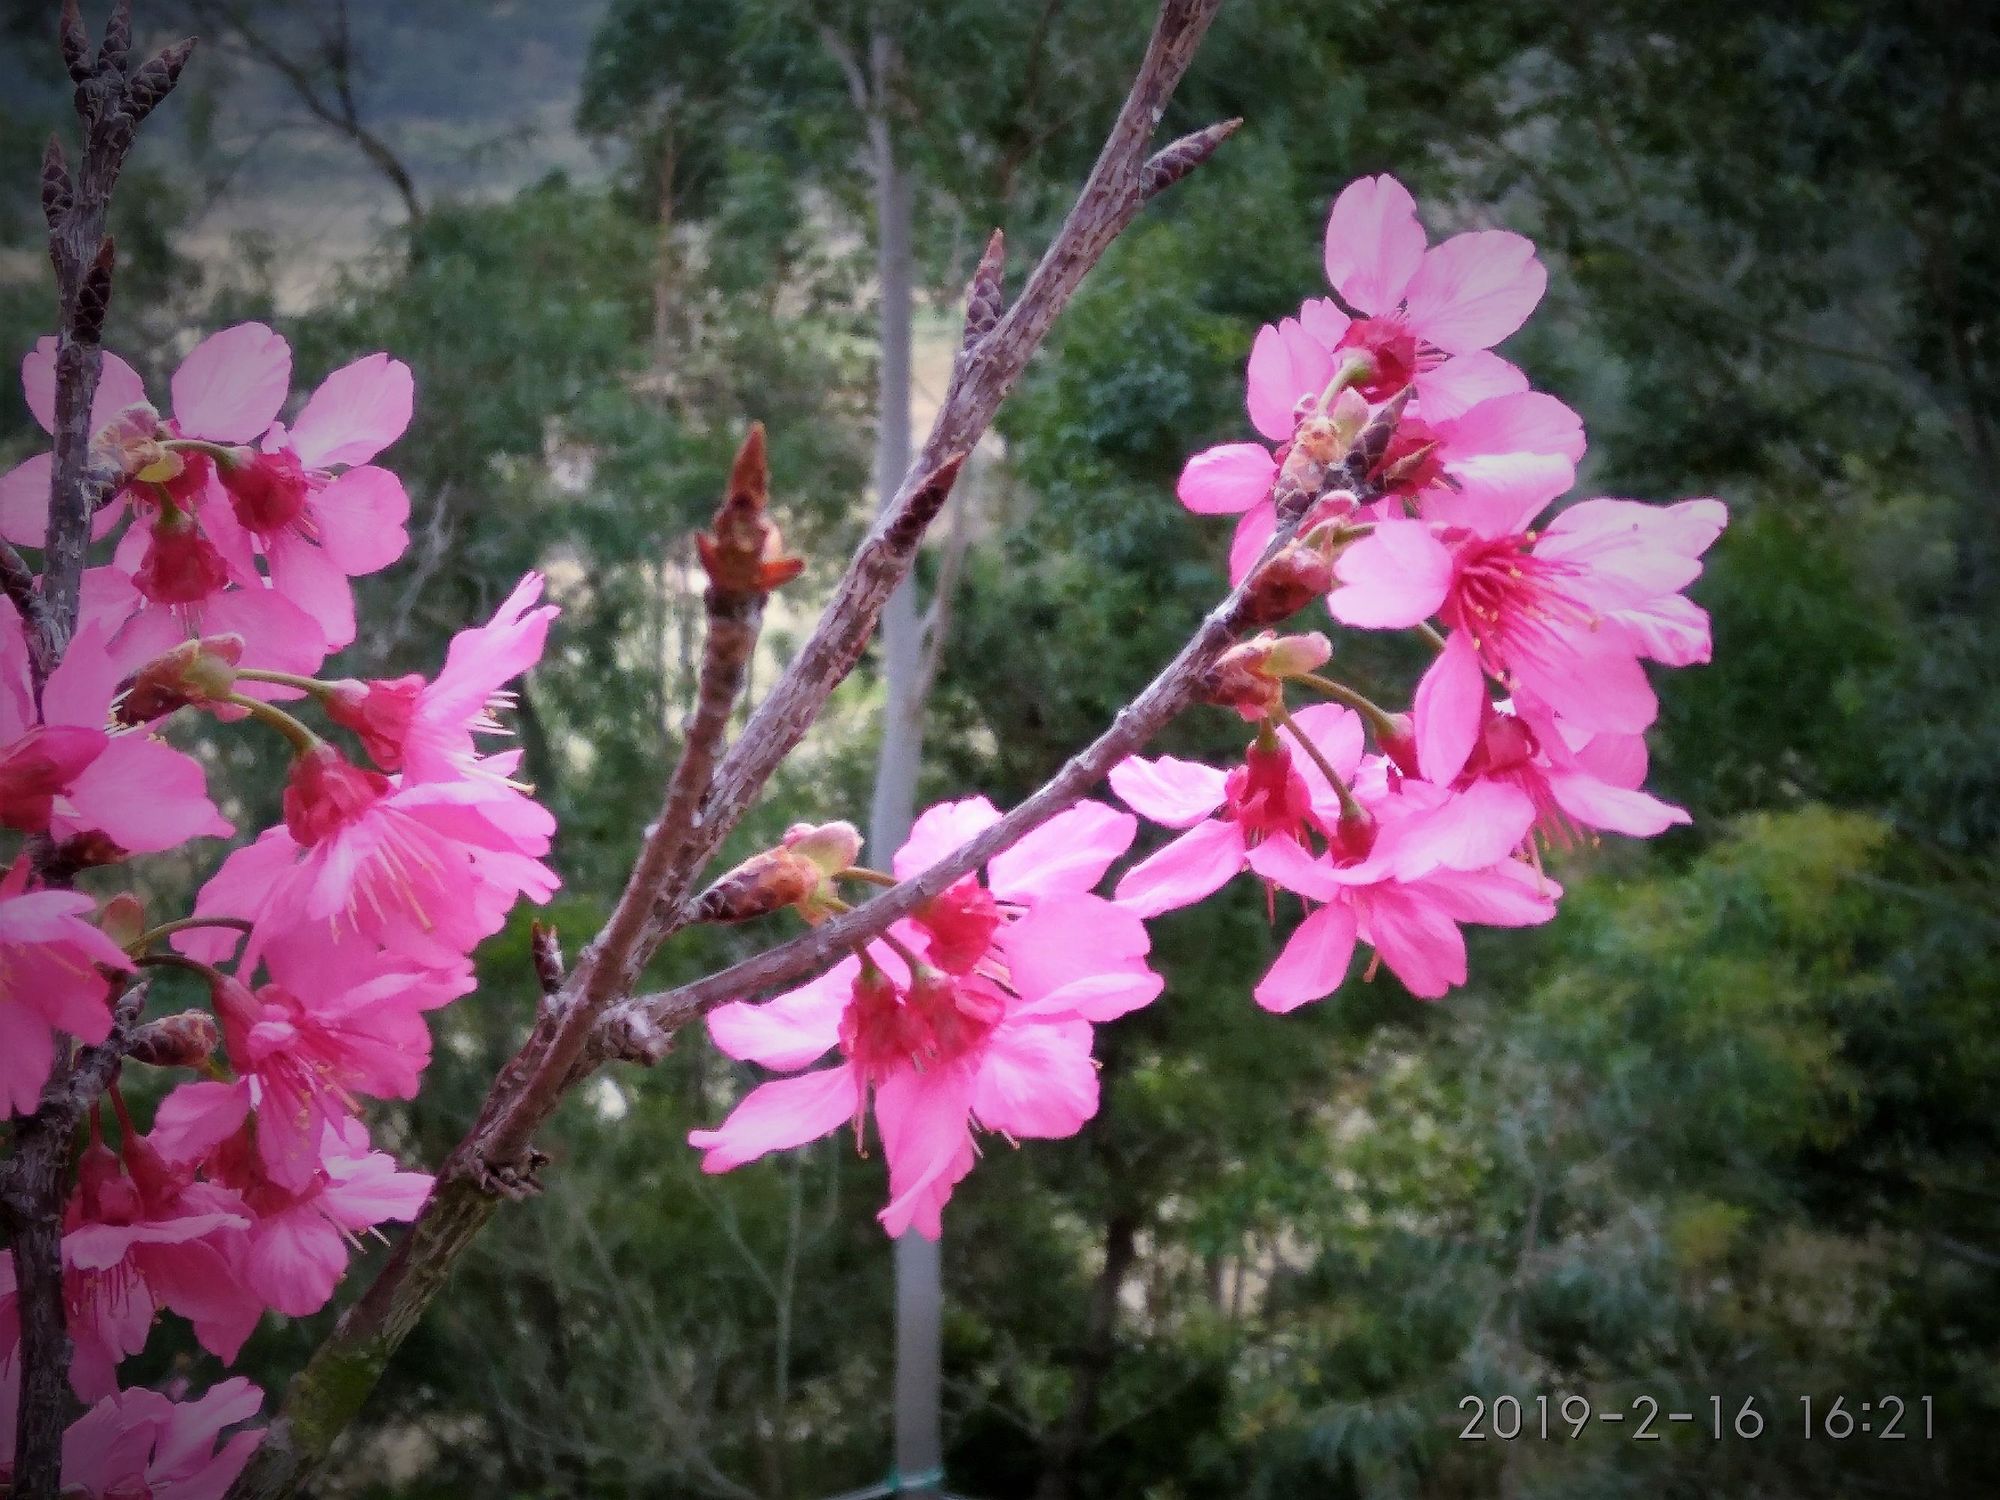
{"x":1644,"y":1418}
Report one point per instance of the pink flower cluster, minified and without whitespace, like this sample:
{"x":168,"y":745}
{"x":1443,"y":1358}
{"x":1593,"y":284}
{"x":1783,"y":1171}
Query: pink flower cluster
{"x":322,"y":943}
{"x":1526,"y":730}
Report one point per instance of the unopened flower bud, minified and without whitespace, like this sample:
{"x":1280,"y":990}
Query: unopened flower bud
{"x":195,"y":674}
{"x":1297,"y":575}
{"x":133,"y":444}
{"x":1397,"y":738}
{"x":831,"y":848}
{"x":377,"y":710}
{"x":1353,"y":836}
{"x":743,"y":552}
{"x":762,"y":884}
{"x":266,"y":490}
{"x":186,"y":1040}
{"x":1250,"y":677}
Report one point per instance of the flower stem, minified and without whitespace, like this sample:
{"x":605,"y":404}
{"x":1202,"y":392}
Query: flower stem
{"x":1348,"y":806}
{"x":302,"y":738}
{"x":281,"y":679}
{"x":1379,"y":718}
{"x":873,"y":877}
{"x":214,"y":976}
{"x":152,"y":935}
{"x":1429,"y":632}
{"x":222,"y":453}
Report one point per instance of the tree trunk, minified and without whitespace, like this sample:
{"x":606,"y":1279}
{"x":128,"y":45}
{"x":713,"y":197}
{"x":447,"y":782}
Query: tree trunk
{"x":919,"y":1451}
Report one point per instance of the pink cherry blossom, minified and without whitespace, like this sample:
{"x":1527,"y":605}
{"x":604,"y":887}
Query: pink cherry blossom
{"x":303,"y":1062}
{"x":425,"y":729}
{"x":992,"y":1029}
{"x":1574,"y":778}
{"x":1276,"y":793}
{"x":140,"y":1442}
{"x":297,"y":1246}
{"x":1544,"y":612}
{"x":1437,"y":859}
{"x":132,"y":786}
{"x":427,"y":871}
{"x":1464,"y":295}
{"x":50,"y":959}
{"x":125,"y":1254}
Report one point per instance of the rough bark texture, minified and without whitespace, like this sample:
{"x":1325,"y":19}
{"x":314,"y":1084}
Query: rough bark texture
{"x":579,"y":1028}
{"x":112,"y":98}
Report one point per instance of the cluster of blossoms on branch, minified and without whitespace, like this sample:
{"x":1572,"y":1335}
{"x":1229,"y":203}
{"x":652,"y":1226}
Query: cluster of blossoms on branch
{"x":1526,"y":731}
{"x":230,"y":538}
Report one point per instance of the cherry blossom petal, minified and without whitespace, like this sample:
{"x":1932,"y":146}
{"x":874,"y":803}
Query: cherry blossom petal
{"x":940,"y":830}
{"x":1615,"y":809}
{"x":231,"y":386}
{"x":1059,"y":942}
{"x":1198,"y":863}
{"x":1451,"y":389}
{"x":1322,"y":318}
{"x":1450,"y":701}
{"x":1173,"y":792}
{"x":1066,"y":856}
{"x":1417,"y":939}
{"x":778,"y":1115}
{"x":1396,"y":576}
{"x":1474,"y":290}
{"x":928,"y":1142}
{"x":308,"y":578}
{"x":1286,"y":364}
{"x":1036,"y":1082}
{"x":1672,"y":629}
{"x":1374,"y":244}
{"x":1525,"y":422}
{"x":358,"y":410}
{"x":145,"y":796}
{"x":361,"y":518}
{"x":1506,"y":894}
{"x":118,"y":386}
{"x":1222,"y":480}
{"x":1314,"y":962}
{"x":793,"y":1030}
{"x":24,"y":500}
{"x":1253,"y":535}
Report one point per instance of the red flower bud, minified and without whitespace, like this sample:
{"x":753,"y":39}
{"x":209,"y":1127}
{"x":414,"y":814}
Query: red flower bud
{"x":186,"y":1040}
{"x":195,"y":674}
{"x":1299,"y":574}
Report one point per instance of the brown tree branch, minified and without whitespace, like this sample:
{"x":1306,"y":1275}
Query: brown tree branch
{"x":37,"y":1176}
{"x":112,"y":98}
{"x":324,"y":1397}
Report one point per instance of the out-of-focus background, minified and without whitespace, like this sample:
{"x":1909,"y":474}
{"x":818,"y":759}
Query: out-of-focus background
{"x":1726,"y":1129}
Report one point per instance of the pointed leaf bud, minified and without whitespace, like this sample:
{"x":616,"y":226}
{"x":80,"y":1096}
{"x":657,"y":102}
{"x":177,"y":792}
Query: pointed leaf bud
{"x":743,"y":553}
{"x":58,"y":192}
